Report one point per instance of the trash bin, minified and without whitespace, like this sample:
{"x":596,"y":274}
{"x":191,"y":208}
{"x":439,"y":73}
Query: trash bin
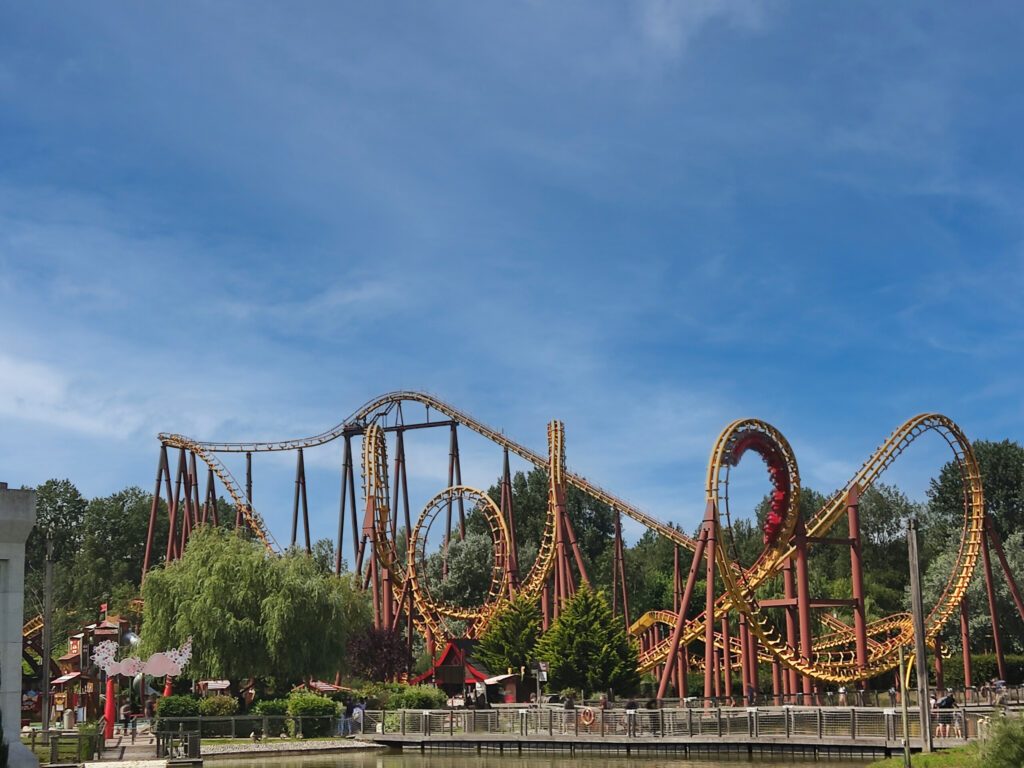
{"x":69,"y":719}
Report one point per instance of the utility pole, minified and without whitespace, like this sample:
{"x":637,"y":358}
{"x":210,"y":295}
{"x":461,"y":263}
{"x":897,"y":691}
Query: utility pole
{"x":920,"y":658}
{"x":47,"y":627}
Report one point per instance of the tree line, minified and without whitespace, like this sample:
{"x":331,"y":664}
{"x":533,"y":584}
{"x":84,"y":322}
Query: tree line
{"x":99,"y":546}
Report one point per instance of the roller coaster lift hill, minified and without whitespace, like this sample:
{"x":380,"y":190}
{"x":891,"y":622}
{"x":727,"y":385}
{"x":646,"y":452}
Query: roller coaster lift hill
{"x":810,"y":647}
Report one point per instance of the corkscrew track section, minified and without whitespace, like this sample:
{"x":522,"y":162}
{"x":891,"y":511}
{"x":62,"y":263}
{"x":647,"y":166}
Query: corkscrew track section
{"x":830,"y":658}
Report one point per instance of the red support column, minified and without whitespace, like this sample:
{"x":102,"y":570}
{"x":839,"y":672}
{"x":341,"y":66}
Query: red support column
{"x":684,"y":681}
{"x":745,"y":655}
{"x":346,"y":459}
{"x":803,"y":606}
{"x":1010,"y":581}
{"x":510,"y":520}
{"x":752,"y":645}
{"x":940,"y":683}
{"x":990,"y":589}
{"x":965,"y":644}
{"x":239,"y":518}
{"x":860,"y":627}
{"x":710,"y":662}
{"x":790,"y":682}
{"x":776,"y":681}
{"x":151,"y":531}
{"x":545,"y":606}
{"x":726,"y":656}
{"x":677,"y":631}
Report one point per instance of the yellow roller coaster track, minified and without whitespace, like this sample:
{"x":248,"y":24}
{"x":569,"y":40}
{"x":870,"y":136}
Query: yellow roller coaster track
{"x":829,"y":662}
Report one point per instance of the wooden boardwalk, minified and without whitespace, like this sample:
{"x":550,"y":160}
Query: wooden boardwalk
{"x":709,"y":744}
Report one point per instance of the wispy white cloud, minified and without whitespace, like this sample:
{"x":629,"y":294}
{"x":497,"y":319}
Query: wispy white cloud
{"x":669,"y":26}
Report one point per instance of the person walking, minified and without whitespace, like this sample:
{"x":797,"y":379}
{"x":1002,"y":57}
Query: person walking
{"x":631,"y":708}
{"x":126,"y":716}
{"x":568,"y":711}
{"x":346,"y":717}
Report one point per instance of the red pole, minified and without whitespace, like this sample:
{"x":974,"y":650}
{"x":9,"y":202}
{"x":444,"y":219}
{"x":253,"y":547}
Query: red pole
{"x":248,"y":490}
{"x":745,"y":658}
{"x":940,"y":683}
{"x":965,"y":643}
{"x":153,"y":510}
{"x":710,"y":662}
{"x":803,"y":599}
{"x":110,"y":709}
{"x":172,"y":517}
{"x":789,"y":679}
{"x":347,"y":457}
{"x":860,"y":627}
{"x":726,"y":656}
{"x":752,"y":645}
{"x":677,"y":632}
{"x":990,"y":589}
{"x":510,"y":521}
{"x":574,"y":545}
{"x":1010,"y":581}
{"x":545,"y":606}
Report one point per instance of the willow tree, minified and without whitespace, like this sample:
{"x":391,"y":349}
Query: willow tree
{"x":249,"y":613}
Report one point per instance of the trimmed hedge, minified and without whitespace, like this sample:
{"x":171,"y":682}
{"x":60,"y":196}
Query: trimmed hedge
{"x":177,"y":706}
{"x":983,"y":669}
{"x":271,"y":707}
{"x":401,"y":696}
{"x":218,"y":706}
{"x":320,"y":711}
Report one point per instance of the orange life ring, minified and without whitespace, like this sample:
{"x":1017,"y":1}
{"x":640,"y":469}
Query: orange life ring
{"x":587,"y":716}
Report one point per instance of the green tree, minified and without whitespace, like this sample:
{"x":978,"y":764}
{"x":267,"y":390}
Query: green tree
{"x":470,"y":562}
{"x":60,"y":510}
{"x":1002,"y":475}
{"x":250,"y":613}
{"x":112,"y":550}
{"x":511,"y":637}
{"x":587,"y":648}
{"x":593,"y":521}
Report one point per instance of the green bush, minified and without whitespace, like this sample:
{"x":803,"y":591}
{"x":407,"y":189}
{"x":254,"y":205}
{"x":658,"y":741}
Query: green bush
{"x":1005,"y":747}
{"x":218,"y":706}
{"x":177,"y":706}
{"x":401,"y":696}
{"x":317,"y":713}
{"x":983,"y":669}
{"x":271,"y":707}
{"x":418,"y":697}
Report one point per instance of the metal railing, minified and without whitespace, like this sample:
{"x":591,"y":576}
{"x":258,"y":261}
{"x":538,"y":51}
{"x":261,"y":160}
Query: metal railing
{"x":978,"y":696}
{"x":60,"y":746}
{"x":244,"y":726}
{"x":824,"y":723}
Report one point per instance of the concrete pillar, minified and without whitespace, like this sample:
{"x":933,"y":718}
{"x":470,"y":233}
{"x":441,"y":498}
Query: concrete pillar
{"x":17,"y":516}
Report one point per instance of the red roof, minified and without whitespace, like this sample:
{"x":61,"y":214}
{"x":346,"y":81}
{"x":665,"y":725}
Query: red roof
{"x":455,"y":654}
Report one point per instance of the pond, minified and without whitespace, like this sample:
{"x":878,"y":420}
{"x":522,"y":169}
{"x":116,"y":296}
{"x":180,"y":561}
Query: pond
{"x":527,"y":760}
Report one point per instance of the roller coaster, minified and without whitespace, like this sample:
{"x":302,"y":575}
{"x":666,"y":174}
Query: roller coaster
{"x":390,"y":551}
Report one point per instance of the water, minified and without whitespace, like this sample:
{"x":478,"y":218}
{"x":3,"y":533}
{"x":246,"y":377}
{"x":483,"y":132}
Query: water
{"x":496,"y":760}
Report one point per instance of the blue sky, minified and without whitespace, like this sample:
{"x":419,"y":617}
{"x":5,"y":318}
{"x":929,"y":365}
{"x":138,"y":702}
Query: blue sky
{"x":242,"y":220}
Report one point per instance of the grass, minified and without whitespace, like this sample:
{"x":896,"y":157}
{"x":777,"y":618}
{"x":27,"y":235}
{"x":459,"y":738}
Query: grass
{"x":958,"y":757}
